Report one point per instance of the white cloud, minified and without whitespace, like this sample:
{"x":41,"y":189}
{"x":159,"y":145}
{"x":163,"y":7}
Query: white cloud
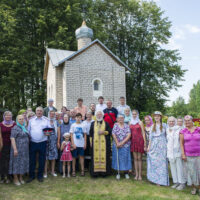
{"x":192,"y":28}
{"x":179,"y":34}
{"x":173,"y":44}
{"x":174,"y":41}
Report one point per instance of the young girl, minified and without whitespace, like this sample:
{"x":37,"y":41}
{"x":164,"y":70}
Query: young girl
{"x":157,"y":163}
{"x":66,"y":155}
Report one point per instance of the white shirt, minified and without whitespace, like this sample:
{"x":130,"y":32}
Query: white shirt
{"x":78,"y":131}
{"x":87,"y":125}
{"x":121,"y":108}
{"x":35,"y":128}
{"x":101,"y":107}
{"x":173,"y":143}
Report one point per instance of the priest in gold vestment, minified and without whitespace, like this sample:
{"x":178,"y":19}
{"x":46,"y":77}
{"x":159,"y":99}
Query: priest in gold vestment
{"x":100,"y":135}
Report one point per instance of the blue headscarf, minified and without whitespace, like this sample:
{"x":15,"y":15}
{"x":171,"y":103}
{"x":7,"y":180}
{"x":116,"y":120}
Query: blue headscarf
{"x":23,"y":127}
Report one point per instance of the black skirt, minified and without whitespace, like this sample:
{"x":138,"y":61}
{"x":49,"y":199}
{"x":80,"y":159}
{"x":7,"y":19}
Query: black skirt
{"x":4,"y":160}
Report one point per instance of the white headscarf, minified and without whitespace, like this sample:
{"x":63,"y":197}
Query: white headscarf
{"x":173,"y":128}
{"x":136,"y":120}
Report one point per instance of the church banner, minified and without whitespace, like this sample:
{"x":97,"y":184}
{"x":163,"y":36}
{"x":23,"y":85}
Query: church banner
{"x":196,"y":122}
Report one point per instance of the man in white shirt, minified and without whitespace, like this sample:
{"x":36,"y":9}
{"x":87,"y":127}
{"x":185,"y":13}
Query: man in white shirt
{"x":122,"y":105}
{"x":101,"y":106}
{"x":37,"y":143}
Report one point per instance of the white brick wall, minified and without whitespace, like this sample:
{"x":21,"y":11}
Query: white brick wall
{"x":93,"y":63}
{"x":51,"y":92}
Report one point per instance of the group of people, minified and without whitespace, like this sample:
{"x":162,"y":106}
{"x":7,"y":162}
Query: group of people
{"x":103,"y":138}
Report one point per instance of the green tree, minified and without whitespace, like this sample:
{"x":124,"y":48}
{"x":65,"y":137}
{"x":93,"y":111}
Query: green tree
{"x":178,"y":108}
{"x":26,"y":29}
{"x":194,"y":101}
{"x":136,"y":32}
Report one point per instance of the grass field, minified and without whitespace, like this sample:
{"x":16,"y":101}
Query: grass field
{"x":87,"y":188}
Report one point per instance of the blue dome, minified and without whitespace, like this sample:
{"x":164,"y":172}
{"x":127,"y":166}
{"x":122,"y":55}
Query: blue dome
{"x":84,"y":31}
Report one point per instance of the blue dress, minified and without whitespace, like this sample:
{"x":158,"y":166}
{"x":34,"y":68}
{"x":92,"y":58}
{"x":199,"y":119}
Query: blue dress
{"x":157,"y":163}
{"x":51,"y":149}
{"x":124,"y":153}
{"x":64,"y":128}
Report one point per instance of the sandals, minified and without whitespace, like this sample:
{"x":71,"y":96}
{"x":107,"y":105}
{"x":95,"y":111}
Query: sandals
{"x":82,"y":173}
{"x":194,"y":191}
{"x":73,"y":174}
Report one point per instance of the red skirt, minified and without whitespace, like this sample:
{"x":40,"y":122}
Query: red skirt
{"x":66,"y":156}
{"x":137,"y":140}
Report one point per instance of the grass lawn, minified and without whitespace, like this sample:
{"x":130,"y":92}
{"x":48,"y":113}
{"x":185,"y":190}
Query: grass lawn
{"x":91,"y":189}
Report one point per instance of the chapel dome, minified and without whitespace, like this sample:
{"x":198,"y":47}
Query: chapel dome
{"x":84,"y":31}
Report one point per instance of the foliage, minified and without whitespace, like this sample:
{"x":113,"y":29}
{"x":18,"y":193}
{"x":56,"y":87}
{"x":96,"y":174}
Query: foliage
{"x":194,"y":101}
{"x":26,"y":28}
{"x":134,"y":30}
{"x":178,"y":109}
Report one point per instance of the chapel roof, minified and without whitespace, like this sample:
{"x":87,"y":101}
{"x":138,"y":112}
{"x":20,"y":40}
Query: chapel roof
{"x":58,"y":56}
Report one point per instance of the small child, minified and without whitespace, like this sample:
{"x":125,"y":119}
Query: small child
{"x":66,"y":155}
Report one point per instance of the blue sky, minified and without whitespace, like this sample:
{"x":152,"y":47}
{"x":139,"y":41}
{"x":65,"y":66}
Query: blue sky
{"x":185,"y":18}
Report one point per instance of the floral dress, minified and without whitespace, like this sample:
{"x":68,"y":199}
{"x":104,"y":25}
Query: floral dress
{"x":52,"y":151}
{"x":157,"y":163}
{"x":123,"y":153}
{"x":19,"y":164}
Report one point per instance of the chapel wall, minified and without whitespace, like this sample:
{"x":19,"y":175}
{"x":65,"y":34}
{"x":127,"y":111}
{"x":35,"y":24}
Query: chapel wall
{"x":91,"y":64}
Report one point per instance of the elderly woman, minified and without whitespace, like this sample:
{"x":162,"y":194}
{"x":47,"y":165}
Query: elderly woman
{"x":19,"y":154}
{"x":138,"y":143}
{"x":63,"y":128}
{"x":100,"y":133}
{"x":5,"y":128}
{"x":174,"y":154}
{"x":157,"y":163}
{"x":121,"y":154}
{"x":190,"y":148}
{"x":51,"y":148}
{"x":127,"y":115}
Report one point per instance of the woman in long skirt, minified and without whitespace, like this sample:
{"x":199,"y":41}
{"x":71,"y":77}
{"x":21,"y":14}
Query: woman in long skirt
{"x":5,"y":128}
{"x":19,"y":154}
{"x":121,"y":154}
{"x":51,"y":151}
{"x":157,"y":163}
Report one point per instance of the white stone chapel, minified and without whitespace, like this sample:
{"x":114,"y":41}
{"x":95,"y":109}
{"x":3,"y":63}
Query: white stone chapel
{"x":91,"y":71}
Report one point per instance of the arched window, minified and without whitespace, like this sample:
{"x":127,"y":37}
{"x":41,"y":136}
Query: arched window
{"x":97,"y":87}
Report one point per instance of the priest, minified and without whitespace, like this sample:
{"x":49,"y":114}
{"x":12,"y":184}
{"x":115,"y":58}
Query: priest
{"x":100,"y":135}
